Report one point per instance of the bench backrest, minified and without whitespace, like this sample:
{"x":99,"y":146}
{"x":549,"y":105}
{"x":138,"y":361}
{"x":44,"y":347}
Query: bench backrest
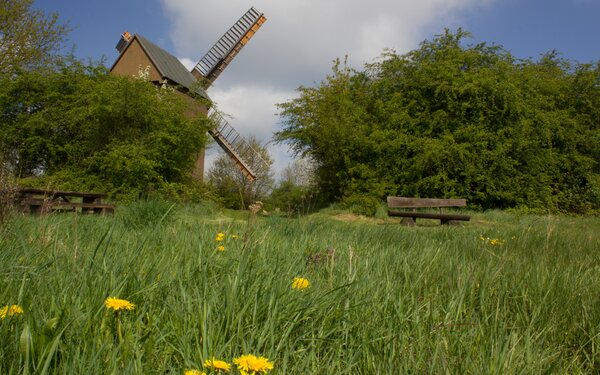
{"x":402,"y":202}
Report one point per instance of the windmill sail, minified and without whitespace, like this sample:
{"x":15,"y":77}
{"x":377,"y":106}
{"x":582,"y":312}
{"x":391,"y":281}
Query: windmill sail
{"x":235,"y":145}
{"x":223,"y":52}
{"x":209,"y":68}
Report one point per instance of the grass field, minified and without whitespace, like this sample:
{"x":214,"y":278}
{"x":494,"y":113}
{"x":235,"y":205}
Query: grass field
{"x":502,"y":294}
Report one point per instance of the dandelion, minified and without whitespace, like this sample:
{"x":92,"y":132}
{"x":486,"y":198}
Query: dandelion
{"x":300,"y":283}
{"x":234,"y":236}
{"x":249,"y":364}
{"x":220,"y":237}
{"x":217,"y":365}
{"x":11,"y":310}
{"x":221,"y":248}
{"x":491,"y":241}
{"x":194,"y":372}
{"x":118,"y":304}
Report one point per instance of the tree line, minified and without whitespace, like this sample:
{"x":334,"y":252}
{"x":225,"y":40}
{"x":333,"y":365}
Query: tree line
{"x":450,"y":119}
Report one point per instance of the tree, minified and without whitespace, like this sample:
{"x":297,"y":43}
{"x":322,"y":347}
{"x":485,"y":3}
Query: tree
{"x":29,"y":38}
{"x":231,"y":184}
{"x":453,"y":120}
{"x":329,"y":124}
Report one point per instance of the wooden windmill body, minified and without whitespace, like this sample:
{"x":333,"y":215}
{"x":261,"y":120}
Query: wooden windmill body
{"x":165,"y":69}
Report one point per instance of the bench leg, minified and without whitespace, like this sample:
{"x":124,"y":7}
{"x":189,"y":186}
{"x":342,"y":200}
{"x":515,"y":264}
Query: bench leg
{"x":408,"y":222}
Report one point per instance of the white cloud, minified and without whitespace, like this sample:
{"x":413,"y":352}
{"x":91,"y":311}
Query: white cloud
{"x":188,"y":63}
{"x":301,"y":37}
{"x":297,"y":44}
{"x":252,"y":108}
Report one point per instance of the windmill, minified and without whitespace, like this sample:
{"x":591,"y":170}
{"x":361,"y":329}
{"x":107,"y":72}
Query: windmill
{"x":164,"y":68}
{"x":210,"y":66}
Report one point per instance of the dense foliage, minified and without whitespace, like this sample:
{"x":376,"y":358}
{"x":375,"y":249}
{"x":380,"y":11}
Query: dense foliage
{"x":450,"y":120}
{"x":80,"y":128}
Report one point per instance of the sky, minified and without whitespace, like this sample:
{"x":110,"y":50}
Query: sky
{"x":301,"y":38}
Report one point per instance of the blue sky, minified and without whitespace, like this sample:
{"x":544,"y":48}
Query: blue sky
{"x":301,"y":38}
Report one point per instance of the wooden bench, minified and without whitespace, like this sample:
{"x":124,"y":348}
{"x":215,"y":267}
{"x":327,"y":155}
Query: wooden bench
{"x":40,"y":201}
{"x":410,"y":217}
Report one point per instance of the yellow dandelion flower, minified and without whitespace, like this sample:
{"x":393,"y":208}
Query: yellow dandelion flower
{"x":217,"y":365}
{"x":221,"y":248}
{"x":118,"y":304}
{"x":249,"y":363}
{"x":194,"y":372}
{"x":496,"y":242}
{"x":300,"y":283}
{"x":220,"y":237}
{"x":234,"y":236}
{"x":11,"y":310}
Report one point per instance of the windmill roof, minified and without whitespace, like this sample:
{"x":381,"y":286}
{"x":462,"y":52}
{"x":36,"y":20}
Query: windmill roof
{"x":169,"y":66}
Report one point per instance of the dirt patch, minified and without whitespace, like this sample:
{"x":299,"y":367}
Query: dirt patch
{"x":349,"y":217}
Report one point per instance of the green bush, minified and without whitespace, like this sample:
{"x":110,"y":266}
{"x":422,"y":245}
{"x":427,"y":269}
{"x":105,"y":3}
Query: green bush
{"x":293,"y":199}
{"x":361,"y":204}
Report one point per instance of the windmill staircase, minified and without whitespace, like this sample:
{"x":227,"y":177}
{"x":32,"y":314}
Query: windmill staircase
{"x":235,"y":145}
{"x":222,"y":53}
{"x":209,"y":68}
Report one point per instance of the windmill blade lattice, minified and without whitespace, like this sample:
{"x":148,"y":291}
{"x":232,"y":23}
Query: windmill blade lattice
{"x":235,"y":145}
{"x":230,"y":44}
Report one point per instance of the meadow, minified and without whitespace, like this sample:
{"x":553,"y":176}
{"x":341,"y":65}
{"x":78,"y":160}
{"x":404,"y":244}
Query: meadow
{"x":505,"y":293}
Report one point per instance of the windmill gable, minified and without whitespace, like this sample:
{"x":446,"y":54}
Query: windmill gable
{"x":164,"y":67}
{"x":134,"y":58}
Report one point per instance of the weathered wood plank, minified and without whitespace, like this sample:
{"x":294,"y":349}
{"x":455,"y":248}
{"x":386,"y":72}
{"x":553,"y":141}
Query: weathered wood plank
{"x":429,"y":215}
{"x":403,"y":202}
{"x":53,"y":193}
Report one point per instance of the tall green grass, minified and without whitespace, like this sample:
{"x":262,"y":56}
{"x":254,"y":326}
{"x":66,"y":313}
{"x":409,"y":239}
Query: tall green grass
{"x":384,"y":299}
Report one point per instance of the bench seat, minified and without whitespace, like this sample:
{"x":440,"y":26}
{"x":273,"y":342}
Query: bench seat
{"x":395,"y":203}
{"x":443,"y":217}
{"x":36,"y":206}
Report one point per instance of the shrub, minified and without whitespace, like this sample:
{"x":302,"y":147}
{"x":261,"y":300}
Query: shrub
{"x":293,"y":199}
{"x":361,"y":204}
